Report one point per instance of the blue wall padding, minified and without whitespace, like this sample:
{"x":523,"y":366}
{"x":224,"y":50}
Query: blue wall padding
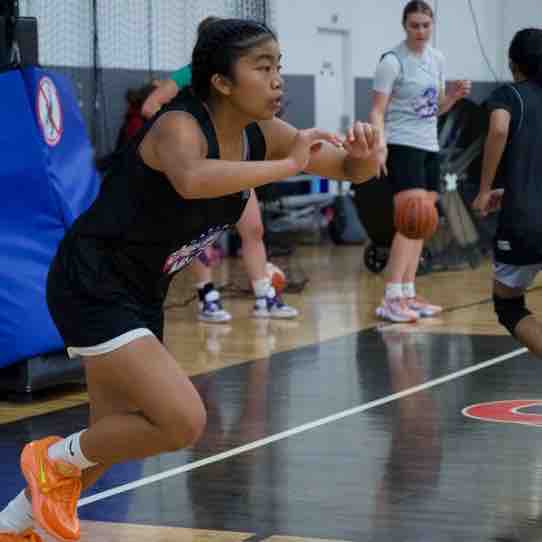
{"x":43,"y":188}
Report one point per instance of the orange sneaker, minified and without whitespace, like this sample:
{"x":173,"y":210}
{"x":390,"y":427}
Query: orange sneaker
{"x":55,"y":487}
{"x":26,"y":536}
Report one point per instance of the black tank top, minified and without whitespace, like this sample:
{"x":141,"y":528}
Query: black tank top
{"x":519,"y":233}
{"x":140,"y":231}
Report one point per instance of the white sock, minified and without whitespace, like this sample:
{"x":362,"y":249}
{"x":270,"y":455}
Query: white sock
{"x":409,"y":290}
{"x":261,"y":287}
{"x":17,"y":515}
{"x":69,"y":450}
{"x":394,"y":290}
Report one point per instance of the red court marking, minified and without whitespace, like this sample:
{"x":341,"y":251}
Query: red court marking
{"x":506,"y":412}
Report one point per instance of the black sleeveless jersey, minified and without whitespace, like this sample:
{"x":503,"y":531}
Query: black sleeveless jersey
{"x":140,"y":231}
{"x":519,"y":233}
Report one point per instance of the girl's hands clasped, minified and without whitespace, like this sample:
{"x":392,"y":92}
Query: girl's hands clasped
{"x":363,"y":141}
{"x":309,"y":142}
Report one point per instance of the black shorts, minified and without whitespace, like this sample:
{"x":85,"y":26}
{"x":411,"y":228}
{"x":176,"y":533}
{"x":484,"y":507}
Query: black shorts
{"x":88,"y":313}
{"x":410,"y":168}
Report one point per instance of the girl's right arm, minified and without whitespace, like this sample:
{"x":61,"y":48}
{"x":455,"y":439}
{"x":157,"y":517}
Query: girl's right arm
{"x":177,"y":147}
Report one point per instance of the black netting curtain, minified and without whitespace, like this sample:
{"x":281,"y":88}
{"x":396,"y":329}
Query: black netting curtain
{"x":253,"y":9}
{"x":108,"y":47}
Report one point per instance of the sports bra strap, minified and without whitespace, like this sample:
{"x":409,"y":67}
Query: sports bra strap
{"x":186,"y":101}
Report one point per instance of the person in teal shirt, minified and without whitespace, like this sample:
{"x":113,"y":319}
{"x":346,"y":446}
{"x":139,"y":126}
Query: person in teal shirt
{"x":250,"y":228}
{"x":182,"y":77}
{"x":167,"y":90}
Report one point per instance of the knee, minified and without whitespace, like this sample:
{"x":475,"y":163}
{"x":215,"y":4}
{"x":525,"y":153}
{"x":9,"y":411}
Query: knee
{"x":194,"y":426}
{"x":186,"y":428}
{"x":510,"y":311}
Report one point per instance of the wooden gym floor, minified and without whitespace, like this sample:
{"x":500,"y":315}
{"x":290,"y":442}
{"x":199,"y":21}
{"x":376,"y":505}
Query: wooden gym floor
{"x":331,"y":427}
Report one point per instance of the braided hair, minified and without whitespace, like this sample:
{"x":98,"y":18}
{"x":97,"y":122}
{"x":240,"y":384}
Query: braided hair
{"x":526,"y":53}
{"x":219,"y":47}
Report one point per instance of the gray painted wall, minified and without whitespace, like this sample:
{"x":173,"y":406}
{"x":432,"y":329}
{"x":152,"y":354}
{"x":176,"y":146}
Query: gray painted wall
{"x":110,"y":85}
{"x":101,"y":98}
{"x":300,"y":105}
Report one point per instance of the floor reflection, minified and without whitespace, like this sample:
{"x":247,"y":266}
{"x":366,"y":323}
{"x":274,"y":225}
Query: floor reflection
{"x":413,"y":465}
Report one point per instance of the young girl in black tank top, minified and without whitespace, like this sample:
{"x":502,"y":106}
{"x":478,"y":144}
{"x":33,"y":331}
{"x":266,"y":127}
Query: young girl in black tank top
{"x":180,"y":185}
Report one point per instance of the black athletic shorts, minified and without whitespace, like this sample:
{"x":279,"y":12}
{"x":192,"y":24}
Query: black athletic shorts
{"x":410,"y":168}
{"x":90,"y":308}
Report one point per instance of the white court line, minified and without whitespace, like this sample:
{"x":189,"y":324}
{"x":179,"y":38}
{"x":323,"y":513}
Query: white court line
{"x":296,"y":430}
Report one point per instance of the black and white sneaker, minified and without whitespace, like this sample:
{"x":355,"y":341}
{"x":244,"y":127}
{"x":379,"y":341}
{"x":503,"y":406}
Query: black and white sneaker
{"x":210,"y":309}
{"x":271,"y":306}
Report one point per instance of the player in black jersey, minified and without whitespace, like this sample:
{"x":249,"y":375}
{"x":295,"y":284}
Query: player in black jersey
{"x":512,"y":153}
{"x":184,"y":179}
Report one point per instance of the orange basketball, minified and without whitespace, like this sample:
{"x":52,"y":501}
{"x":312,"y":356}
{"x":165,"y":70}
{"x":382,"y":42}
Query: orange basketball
{"x":416,"y":217}
{"x":277,"y":276}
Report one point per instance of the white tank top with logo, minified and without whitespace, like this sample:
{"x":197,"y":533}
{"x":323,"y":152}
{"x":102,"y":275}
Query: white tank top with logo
{"x":414,"y":83}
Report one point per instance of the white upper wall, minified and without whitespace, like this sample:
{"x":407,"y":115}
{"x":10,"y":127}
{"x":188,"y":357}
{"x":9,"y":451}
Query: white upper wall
{"x":375,"y":26}
{"x":456,"y":37}
{"x":297,"y":22}
{"x":516,"y":16}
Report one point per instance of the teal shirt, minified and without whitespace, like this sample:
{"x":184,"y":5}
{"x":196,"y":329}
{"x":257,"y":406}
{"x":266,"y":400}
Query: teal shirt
{"x":183,"y":77}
